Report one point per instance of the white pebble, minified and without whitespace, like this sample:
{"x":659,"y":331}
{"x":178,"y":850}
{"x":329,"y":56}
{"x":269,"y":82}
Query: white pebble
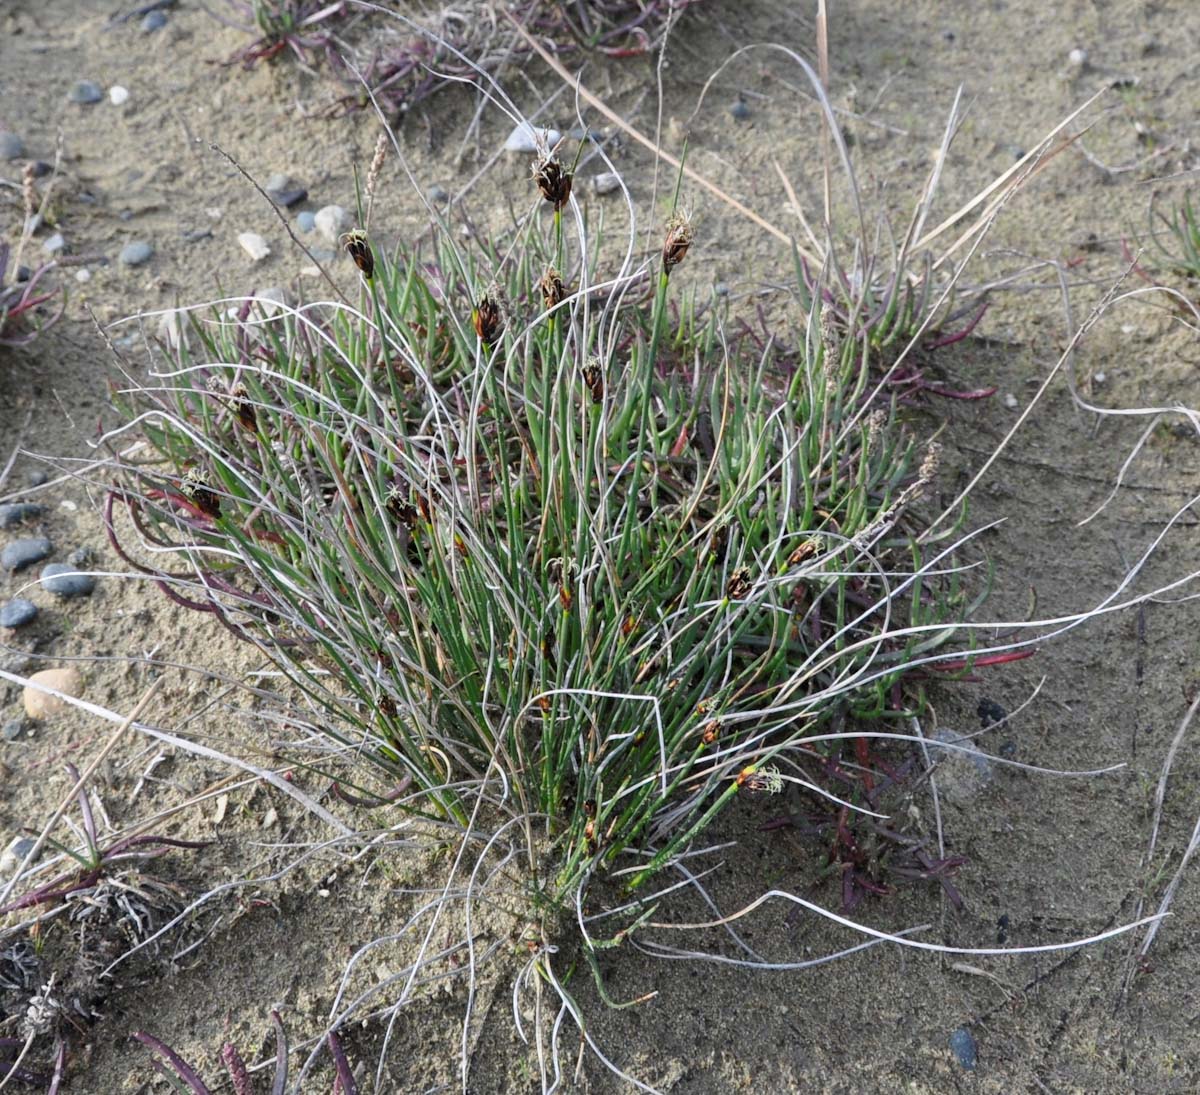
{"x":54,"y":244}
{"x":1100,"y":377}
{"x":1078,"y":57}
{"x":526,"y":138}
{"x":83,"y":274}
{"x":254,"y":245}
{"x":270,"y":301}
{"x":606,"y":182}
{"x":1010,"y":401}
{"x":168,"y":328}
{"x":118,"y":95}
{"x":310,"y":271}
{"x":331,"y":222}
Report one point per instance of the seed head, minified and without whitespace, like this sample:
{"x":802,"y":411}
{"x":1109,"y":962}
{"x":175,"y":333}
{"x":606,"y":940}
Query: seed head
{"x":553,"y":181}
{"x":766,"y":781}
{"x":831,"y":342}
{"x":738,"y":585}
{"x":678,"y":239}
{"x":488,"y":318}
{"x":593,"y":379}
{"x":357,"y":247}
{"x":929,"y":466}
{"x":401,"y":509}
{"x":203,"y":497}
{"x":381,"y":147}
{"x":553,"y":290}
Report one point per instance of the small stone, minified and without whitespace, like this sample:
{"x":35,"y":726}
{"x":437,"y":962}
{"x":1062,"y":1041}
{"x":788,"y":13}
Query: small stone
{"x":169,"y":330}
{"x":331,"y":222}
{"x":36,"y":478}
{"x":288,"y":198}
{"x":437,"y":195}
{"x":1077,"y":57}
{"x":990,"y":713}
{"x":154,"y":20}
{"x":65,"y":580}
{"x":277,"y":181}
{"x":526,"y":138}
{"x":17,"y":613}
{"x":740,"y":111}
{"x":12,"y":729}
{"x":966,"y":1052}
{"x":41,"y":705}
{"x":24,"y":553}
{"x":118,"y":95}
{"x":41,"y":169}
{"x":270,"y":301}
{"x":11,"y":146}
{"x":135,"y":253}
{"x":606,"y":182}
{"x":14,"y":855}
{"x":85,"y":91}
{"x":13,"y":513}
{"x":306,"y":221}
{"x":1010,"y":401}
{"x":254,"y":245}
{"x":83,"y":275}
{"x":54,"y":244}
{"x":80,"y":557}
{"x":962,"y":772}
{"x":721,"y":289}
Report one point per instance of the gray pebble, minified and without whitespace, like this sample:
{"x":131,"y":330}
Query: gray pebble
{"x":37,"y":477}
{"x":288,"y":198}
{"x":17,"y":613}
{"x":41,"y":169}
{"x":527,"y":137}
{"x":54,"y":244}
{"x":966,"y":1052}
{"x":23,"y":553}
{"x":721,"y":289}
{"x":155,"y":20}
{"x":306,"y":221}
{"x":14,"y":855}
{"x":11,"y":146}
{"x":437,"y":195}
{"x":85,"y":91}
{"x":80,"y":557}
{"x":13,"y":513}
{"x":13,"y":729}
{"x":197,"y":234}
{"x":135,"y":253}
{"x":961,"y":772}
{"x":278,"y":181}
{"x":606,"y":182}
{"x":66,"y":581}
{"x":740,"y":111}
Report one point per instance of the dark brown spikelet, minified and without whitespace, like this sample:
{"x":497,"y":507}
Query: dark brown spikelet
{"x":593,"y":378}
{"x":553,"y":181}
{"x":203,"y":497}
{"x":677,"y":241}
{"x":246,"y":414}
{"x":739,"y":584}
{"x":553,"y":290}
{"x":357,"y":247}
{"x":488,"y":318}
{"x":401,"y":510}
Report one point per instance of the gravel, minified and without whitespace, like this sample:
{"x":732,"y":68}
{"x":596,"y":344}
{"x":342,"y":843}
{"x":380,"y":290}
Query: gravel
{"x":135,"y":253}
{"x":13,"y":513}
{"x":306,"y":221}
{"x":11,"y":146}
{"x":85,"y":91}
{"x":332,"y":221}
{"x":526,"y":138}
{"x":740,"y":111}
{"x":65,"y":580}
{"x":24,"y":553}
{"x":14,"y":855}
{"x":154,"y":20}
{"x":17,"y":613}
{"x":966,"y":1052}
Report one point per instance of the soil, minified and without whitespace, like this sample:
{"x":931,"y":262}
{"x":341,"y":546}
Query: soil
{"x":1051,"y":858}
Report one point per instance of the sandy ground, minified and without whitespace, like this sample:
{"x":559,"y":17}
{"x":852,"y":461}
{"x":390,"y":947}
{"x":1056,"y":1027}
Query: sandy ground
{"x":1054,"y":858}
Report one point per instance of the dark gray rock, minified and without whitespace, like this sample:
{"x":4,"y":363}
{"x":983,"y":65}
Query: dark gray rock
{"x":966,"y":1052}
{"x":14,"y":855}
{"x":154,"y":20}
{"x":24,"y":553}
{"x":17,"y":613}
{"x":66,"y":581}
{"x":13,"y":513}
{"x":740,"y":111}
{"x":135,"y":253}
{"x":437,"y":195}
{"x":41,"y":169}
{"x":85,"y":91}
{"x":12,"y":730}
{"x":11,"y":146}
{"x":287,"y":198}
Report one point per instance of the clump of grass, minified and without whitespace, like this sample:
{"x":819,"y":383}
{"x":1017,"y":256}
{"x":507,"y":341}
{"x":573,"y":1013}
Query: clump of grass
{"x":1181,"y":226}
{"x":573,"y":553}
{"x":22,"y":303}
{"x":401,"y":62}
